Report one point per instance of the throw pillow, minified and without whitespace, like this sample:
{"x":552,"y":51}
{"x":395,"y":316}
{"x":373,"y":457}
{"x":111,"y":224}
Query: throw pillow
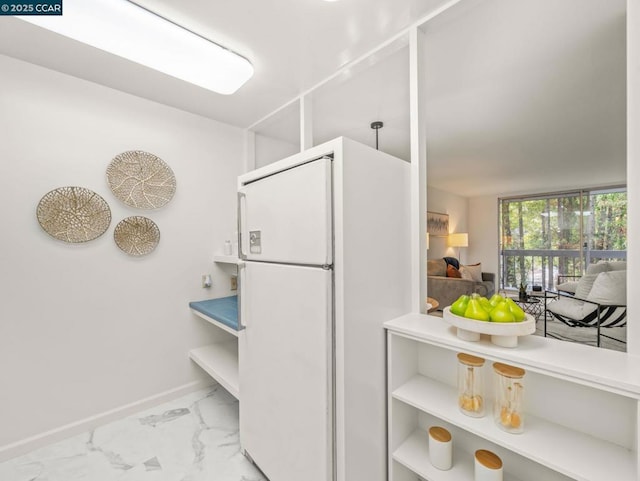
{"x":597,"y":268}
{"x":571,"y":308}
{"x":610,"y":288}
{"x":453,"y":272}
{"x":618,"y":266}
{"x":436,"y":267}
{"x":452,"y":261}
{"x":464,"y":272}
{"x":569,"y":286}
{"x":584,"y":285}
{"x":476,"y":271}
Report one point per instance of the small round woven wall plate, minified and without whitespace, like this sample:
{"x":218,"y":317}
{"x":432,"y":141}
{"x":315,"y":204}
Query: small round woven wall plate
{"x":73,"y":214}
{"x":141,"y":180}
{"x":136,"y":235}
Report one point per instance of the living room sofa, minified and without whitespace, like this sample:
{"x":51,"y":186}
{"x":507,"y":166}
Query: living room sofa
{"x":447,"y":289}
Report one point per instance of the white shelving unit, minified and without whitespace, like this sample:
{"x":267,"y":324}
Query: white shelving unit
{"x":220,"y":359}
{"x":581,"y":406}
{"x":223,"y":259}
{"x":216,"y":323}
{"x":413,"y":454}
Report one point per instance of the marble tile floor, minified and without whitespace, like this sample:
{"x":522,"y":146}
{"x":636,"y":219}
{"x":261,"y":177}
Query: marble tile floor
{"x":193,"y":438}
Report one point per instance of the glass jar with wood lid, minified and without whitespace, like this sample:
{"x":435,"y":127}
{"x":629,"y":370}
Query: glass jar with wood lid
{"x":470,"y":385}
{"x":509,"y":397}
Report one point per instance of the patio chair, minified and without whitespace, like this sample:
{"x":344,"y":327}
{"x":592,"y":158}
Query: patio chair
{"x":600,"y":302}
{"x":569,"y":283}
{"x":566,"y":283}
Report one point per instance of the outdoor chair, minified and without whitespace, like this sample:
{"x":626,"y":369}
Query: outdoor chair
{"x":600,"y":302}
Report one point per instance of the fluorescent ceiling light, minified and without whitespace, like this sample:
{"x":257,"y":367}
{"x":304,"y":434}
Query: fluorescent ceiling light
{"x":129,"y":31}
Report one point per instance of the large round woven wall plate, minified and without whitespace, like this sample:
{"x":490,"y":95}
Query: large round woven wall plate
{"x":73,"y":214}
{"x":136,"y":235}
{"x":141,"y":180}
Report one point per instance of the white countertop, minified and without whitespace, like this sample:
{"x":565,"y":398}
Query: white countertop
{"x":602,"y":368}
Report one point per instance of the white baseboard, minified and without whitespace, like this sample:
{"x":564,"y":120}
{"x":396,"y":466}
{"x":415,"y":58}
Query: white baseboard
{"x":34,"y":442}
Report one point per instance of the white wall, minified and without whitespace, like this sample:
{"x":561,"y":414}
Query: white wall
{"x":456,"y":206}
{"x":483,"y":232}
{"x":269,"y":150}
{"x":86,"y":328}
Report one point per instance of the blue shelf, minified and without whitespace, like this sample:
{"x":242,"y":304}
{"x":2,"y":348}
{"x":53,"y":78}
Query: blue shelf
{"x":219,"y":311}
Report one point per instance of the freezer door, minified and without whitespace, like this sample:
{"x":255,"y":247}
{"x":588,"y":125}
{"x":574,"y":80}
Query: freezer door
{"x":285,"y":370}
{"x":286,"y":217}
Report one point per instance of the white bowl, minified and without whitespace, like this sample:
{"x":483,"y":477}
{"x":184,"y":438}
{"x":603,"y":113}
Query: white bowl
{"x":503,"y":334}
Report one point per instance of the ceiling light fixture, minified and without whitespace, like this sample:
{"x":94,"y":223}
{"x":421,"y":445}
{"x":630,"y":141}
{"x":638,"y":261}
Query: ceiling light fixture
{"x":129,"y":31}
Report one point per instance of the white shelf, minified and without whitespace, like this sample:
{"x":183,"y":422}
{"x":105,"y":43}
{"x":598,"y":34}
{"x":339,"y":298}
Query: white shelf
{"x":413,"y":453}
{"x":215,"y":322}
{"x":564,"y":450}
{"x":605,"y":369}
{"x":220,"y":361}
{"x":226,"y":259}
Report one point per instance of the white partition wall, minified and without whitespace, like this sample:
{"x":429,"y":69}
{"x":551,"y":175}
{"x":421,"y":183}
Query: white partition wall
{"x":418,"y":172}
{"x":633,"y":168}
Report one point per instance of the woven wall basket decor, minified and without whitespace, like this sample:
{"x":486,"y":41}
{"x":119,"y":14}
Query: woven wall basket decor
{"x":73,"y":214}
{"x":136,"y":235}
{"x":141,"y":180}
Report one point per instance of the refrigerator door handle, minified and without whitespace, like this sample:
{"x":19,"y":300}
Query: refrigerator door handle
{"x":242,"y":198}
{"x":241,"y":266}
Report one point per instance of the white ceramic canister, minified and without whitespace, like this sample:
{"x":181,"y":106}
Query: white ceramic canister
{"x":227,"y":248}
{"x":440,"y":448}
{"x":487,"y":466}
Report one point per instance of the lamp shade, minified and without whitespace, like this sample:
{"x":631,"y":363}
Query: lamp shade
{"x":460,"y":239}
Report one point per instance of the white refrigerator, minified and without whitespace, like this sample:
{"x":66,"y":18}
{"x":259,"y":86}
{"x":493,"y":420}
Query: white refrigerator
{"x":325,"y":260}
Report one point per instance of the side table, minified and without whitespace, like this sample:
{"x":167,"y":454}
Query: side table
{"x":533,"y":305}
{"x":434,"y":304}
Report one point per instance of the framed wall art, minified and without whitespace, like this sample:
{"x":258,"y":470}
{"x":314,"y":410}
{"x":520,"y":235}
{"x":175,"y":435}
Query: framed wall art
{"x":437,"y":224}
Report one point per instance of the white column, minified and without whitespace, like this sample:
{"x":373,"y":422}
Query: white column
{"x":306,"y":123}
{"x":633,"y":173}
{"x":418,"y":170}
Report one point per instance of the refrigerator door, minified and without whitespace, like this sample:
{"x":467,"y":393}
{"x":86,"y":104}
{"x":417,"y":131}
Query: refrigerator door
{"x":286,"y":217}
{"x":285,"y":370}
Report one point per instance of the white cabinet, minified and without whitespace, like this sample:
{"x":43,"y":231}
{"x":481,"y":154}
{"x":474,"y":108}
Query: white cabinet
{"x":581,"y":406}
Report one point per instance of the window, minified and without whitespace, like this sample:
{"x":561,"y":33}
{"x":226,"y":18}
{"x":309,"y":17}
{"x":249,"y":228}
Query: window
{"x":544,"y":236}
